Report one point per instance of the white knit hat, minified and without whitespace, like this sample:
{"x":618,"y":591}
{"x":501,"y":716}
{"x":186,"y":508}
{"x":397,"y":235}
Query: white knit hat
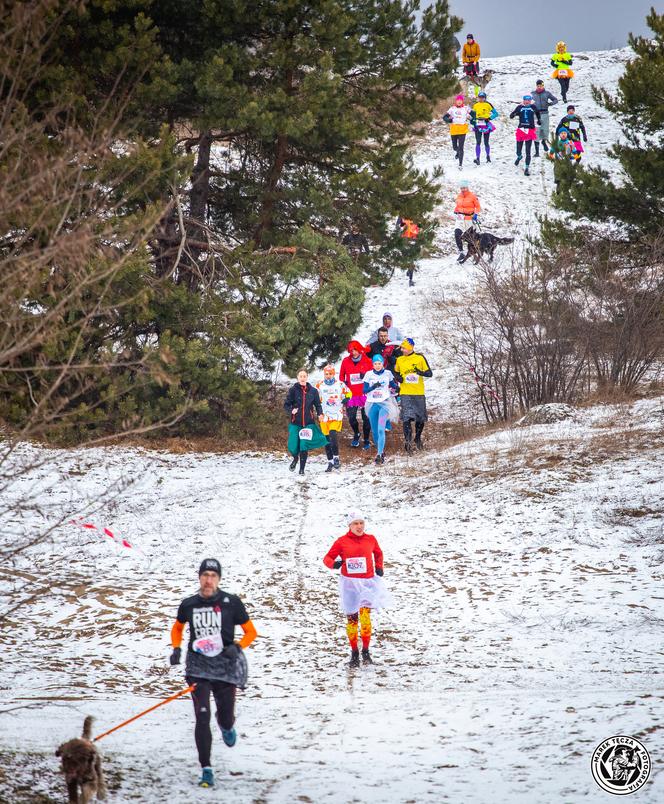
{"x":352,"y":516}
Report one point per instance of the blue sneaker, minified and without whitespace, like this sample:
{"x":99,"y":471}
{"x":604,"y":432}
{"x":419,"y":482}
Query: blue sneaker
{"x":355,"y":442}
{"x":229,"y":736}
{"x":366,"y":445}
{"x":207,"y":778}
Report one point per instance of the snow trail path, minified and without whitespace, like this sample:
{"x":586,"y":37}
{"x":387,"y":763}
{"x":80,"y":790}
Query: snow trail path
{"x":526,"y":566}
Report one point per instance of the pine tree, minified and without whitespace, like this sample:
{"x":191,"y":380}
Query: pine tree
{"x":637,"y":202}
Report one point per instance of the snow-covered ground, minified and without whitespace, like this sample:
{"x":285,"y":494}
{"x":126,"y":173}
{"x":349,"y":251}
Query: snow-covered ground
{"x":526,"y":566}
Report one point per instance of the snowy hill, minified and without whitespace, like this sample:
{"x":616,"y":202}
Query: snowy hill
{"x":526,"y":565}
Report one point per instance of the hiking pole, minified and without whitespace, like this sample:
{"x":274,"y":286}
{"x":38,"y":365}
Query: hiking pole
{"x":151,"y":709}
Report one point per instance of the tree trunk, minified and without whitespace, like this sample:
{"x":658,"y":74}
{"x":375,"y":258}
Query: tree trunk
{"x":265,"y":220}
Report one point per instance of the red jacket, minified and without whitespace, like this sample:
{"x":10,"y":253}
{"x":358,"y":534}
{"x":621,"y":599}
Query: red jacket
{"x":359,"y":555}
{"x":351,"y":369}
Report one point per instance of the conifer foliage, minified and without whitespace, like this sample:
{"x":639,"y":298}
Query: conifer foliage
{"x":261,"y":130}
{"x":638,"y":201}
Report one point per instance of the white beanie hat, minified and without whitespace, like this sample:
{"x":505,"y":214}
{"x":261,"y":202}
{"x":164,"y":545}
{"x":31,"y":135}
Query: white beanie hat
{"x":352,"y":516}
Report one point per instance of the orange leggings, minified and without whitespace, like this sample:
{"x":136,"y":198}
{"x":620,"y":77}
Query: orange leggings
{"x":364,"y":618}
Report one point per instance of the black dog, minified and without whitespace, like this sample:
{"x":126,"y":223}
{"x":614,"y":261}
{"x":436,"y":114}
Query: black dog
{"x":480,"y":244}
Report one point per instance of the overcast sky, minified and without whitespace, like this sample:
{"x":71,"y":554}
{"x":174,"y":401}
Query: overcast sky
{"x":509,"y":27}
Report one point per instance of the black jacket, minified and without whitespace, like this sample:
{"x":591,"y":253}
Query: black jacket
{"x":527,"y":116}
{"x":356,"y":242}
{"x":377,"y":348}
{"x":306,"y":400}
{"x":574,"y":124}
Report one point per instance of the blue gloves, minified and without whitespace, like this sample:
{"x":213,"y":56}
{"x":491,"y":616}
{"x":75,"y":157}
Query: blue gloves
{"x":475,"y":218}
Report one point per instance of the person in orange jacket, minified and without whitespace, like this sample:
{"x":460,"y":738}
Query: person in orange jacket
{"x":466,"y":210}
{"x":361,"y":587}
{"x":409,"y":231}
{"x":215,"y":662}
{"x":470,"y":56}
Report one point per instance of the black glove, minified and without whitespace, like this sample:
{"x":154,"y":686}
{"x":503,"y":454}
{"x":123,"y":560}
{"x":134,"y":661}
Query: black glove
{"x":175,"y":656}
{"x":232,"y":651}
{"x":585,"y":139}
{"x":419,"y":371}
{"x":379,"y":572}
{"x":374,"y":386}
{"x":337,"y":564}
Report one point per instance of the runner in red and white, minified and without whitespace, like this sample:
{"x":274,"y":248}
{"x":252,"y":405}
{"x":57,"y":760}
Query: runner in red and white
{"x":334,"y":395}
{"x":361,"y":585}
{"x":352,"y":371}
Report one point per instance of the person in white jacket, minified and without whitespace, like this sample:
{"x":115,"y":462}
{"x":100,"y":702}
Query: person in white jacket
{"x":458,"y":117}
{"x":393,"y":333}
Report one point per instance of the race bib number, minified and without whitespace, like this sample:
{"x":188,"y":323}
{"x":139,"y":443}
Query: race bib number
{"x":355,"y":379}
{"x":562,"y":73}
{"x":412,"y":378}
{"x":306,"y":434}
{"x":377,"y":394}
{"x":356,"y":566}
{"x":209,"y":645}
{"x":573,"y":125}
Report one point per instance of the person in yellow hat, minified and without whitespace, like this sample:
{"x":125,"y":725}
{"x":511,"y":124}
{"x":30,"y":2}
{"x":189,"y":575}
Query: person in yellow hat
{"x":561,"y":61}
{"x":410,"y":370}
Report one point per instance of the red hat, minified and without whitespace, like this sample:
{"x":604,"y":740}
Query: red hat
{"x":357,"y":345}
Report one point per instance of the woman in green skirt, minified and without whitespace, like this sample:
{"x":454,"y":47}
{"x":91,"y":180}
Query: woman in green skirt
{"x":304,"y":407}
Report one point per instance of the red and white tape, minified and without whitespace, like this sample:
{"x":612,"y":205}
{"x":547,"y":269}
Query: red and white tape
{"x":91,"y":526}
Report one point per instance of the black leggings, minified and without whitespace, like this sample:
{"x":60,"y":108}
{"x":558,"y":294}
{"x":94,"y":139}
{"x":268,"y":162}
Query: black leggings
{"x":529,"y":147}
{"x":458,"y":141}
{"x":224,"y":697}
{"x":332,"y":446}
{"x":478,"y":140}
{"x":564,"y":88}
{"x":352,"y":418}
{"x":408,"y":433}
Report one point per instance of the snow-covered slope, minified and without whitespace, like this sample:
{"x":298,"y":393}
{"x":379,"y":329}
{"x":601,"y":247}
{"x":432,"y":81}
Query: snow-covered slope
{"x":510,"y":202}
{"x":526,"y":566}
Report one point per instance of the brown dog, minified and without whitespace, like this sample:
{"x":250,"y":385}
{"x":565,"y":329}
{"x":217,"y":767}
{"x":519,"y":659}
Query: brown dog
{"x":81,"y":765}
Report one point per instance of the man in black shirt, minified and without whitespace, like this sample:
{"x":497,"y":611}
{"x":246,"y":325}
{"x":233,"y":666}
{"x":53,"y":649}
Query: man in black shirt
{"x":215,"y":662}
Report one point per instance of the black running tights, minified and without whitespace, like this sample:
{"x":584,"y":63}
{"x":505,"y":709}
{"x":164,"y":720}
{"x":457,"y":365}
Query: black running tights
{"x":224,"y":697}
{"x":332,"y":446}
{"x":458,"y":141}
{"x":529,"y":147}
{"x":352,"y":418}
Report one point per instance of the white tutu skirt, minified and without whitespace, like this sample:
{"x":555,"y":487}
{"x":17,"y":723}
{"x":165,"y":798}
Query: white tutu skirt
{"x":357,"y":593}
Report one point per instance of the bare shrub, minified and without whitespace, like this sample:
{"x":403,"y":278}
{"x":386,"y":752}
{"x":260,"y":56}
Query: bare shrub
{"x":540,"y":330}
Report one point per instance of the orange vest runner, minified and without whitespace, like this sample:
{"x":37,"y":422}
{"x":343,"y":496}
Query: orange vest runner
{"x":411,"y":231}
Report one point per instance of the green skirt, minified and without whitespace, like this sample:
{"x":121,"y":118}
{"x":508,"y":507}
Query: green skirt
{"x":298,"y":441}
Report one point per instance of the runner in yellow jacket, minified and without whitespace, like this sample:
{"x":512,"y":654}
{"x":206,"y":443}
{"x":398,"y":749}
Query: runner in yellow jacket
{"x":410,"y":370}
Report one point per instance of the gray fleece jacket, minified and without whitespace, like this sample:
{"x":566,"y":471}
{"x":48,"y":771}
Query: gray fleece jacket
{"x":542,"y":100}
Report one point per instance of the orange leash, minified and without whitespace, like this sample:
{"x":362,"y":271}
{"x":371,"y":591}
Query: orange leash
{"x":151,"y":709}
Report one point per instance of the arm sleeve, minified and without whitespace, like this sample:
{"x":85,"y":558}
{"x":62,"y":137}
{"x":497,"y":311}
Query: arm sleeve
{"x":583,"y":128}
{"x":378,"y":555}
{"x":250,"y":634}
{"x":515,"y":112}
{"x":427,"y":371}
{"x":176,"y":633}
{"x":288,"y":403}
{"x":331,"y":556}
{"x":476,"y":205}
{"x":317,"y":403}
{"x":553,"y":99}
